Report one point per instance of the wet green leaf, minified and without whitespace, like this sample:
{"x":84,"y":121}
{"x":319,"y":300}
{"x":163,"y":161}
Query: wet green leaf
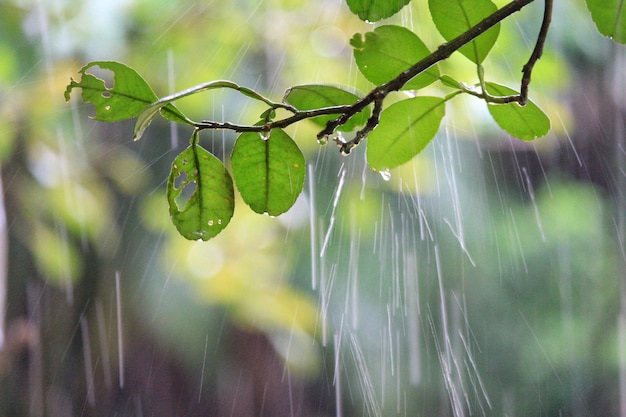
{"x":526,"y":123}
{"x":609,"y":17}
{"x":269,"y":172}
{"x":383,"y":54}
{"x":200,"y":194}
{"x":375,"y":10}
{"x":405,"y":129}
{"x":315,"y":96}
{"x":454,"y":17}
{"x":127,"y":98}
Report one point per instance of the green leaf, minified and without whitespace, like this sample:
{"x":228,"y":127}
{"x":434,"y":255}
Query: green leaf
{"x":383,"y":54}
{"x":454,"y":17}
{"x":526,"y":123}
{"x":405,"y":129}
{"x":314,"y":96}
{"x":375,"y":10}
{"x":200,"y":194}
{"x":609,"y":17}
{"x":128,"y":97}
{"x":269,"y":172}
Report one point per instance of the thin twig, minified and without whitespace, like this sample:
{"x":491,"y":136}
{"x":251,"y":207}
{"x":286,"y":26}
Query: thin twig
{"x":522,"y":97}
{"x":537,"y":52}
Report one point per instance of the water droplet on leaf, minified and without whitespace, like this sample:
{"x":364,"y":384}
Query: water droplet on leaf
{"x":385,"y":174}
{"x":323,"y":140}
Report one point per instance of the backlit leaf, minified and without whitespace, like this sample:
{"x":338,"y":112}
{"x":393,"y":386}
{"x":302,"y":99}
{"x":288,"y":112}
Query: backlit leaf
{"x":523,"y":122}
{"x":405,"y":129}
{"x":200,"y":194}
{"x":609,"y":17}
{"x":127,"y":98}
{"x":314,"y":96}
{"x":383,"y":54}
{"x":375,"y":10}
{"x":269,"y":172}
{"x":454,"y":17}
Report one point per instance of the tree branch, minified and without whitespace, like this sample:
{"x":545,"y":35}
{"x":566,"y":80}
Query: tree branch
{"x":378,"y":94}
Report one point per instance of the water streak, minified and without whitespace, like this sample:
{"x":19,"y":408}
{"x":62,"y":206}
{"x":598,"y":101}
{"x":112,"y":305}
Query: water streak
{"x":120,"y":343}
{"x":104,"y":344}
{"x":172,"y":89}
{"x":337,"y":377}
{"x":531,"y":194}
{"x":364,"y":377}
{"x":312,"y":226}
{"x":331,"y":225}
{"x":206,"y":343}
{"x":84,"y":331}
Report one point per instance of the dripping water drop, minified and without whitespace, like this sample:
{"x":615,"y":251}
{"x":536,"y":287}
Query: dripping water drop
{"x":385,"y":174}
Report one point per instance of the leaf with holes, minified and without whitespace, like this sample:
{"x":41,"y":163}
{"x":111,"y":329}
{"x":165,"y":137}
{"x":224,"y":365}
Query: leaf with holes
{"x":383,"y":54}
{"x":200,"y":194}
{"x":315,"y":96}
{"x":127,"y":98}
{"x":375,"y":10}
{"x":454,"y":17}
{"x":405,"y":129}
{"x":609,"y":17}
{"x":523,"y":122}
{"x":269,"y":173}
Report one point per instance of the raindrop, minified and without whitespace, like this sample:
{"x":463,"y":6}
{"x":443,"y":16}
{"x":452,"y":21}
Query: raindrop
{"x":265,"y":135}
{"x":210,"y":223}
{"x":323,"y":140}
{"x":385,"y":174}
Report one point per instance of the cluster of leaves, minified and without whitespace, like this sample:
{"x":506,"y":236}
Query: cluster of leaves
{"x":267,"y":166}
